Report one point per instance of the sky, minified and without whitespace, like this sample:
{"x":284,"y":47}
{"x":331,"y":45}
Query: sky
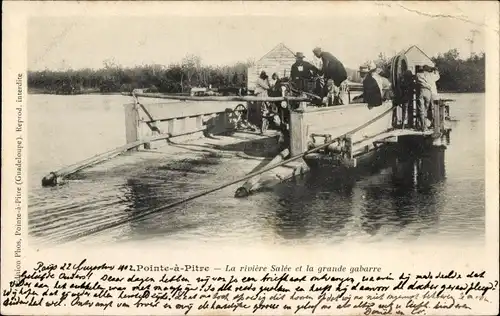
{"x":226,"y":34}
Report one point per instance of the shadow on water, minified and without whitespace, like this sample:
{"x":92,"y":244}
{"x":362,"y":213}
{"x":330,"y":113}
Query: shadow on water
{"x":396,"y":188}
{"x":408,"y":196}
{"x":144,"y":196}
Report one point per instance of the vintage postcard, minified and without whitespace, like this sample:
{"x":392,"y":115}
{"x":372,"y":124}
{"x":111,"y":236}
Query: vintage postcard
{"x":250,"y":158}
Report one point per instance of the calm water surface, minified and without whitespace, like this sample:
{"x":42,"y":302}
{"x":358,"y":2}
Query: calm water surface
{"x":436,"y":195}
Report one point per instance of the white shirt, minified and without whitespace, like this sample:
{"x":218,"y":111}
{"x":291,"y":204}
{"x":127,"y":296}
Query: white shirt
{"x":434,"y":91}
{"x":261,"y":87}
{"x":383,"y":83}
{"x":428,"y":80}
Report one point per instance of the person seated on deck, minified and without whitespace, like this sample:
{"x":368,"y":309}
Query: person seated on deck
{"x":426,"y":79}
{"x":376,"y":88}
{"x":332,"y":93}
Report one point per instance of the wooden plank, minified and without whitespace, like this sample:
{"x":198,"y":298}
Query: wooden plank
{"x":131,"y":123}
{"x":219,"y":98}
{"x":298,"y":134}
{"x":171,"y":126}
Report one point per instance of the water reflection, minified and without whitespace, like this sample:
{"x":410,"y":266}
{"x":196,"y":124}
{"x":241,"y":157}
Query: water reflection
{"x":396,"y":190}
{"x":149,"y":193}
{"x":408,"y":197}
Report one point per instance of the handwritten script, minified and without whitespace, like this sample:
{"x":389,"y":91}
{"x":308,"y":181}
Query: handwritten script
{"x":250,"y":289}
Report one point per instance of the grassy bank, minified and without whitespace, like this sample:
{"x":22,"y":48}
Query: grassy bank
{"x":80,"y":92}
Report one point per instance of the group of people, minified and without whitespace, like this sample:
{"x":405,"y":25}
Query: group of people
{"x":303,"y":74}
{"x":377,"y":89}
{"x":304,"y":77}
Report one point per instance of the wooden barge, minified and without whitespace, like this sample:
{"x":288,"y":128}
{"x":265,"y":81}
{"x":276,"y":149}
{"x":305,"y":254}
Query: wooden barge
{"x":340,"y":136}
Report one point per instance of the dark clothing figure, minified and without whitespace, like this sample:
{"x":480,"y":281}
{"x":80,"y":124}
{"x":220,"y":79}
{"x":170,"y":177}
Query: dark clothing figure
{"x":303,"y":70}
{"x":276,"y":86}
{"x":332,"y":67}
{"x":301,"y":73}
{"x":407,"y":87}
{"x":371,"y":91}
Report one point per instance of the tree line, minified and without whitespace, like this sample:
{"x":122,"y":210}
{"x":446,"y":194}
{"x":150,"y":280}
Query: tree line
{"x":457,"y":75}
{"x":174,"y":78}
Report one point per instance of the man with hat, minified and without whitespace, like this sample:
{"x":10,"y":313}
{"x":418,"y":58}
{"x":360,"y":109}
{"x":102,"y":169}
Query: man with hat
{"x":302,"y":70}
{"x":376,"y":89}
{"x":332,"y":67}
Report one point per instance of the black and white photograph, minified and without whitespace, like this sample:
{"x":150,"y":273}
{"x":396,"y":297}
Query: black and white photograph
{"x":249,"y":129}
{"x":250,"y":158}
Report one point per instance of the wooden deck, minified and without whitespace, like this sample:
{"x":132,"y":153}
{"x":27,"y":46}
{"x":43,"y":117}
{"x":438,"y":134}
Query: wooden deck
{"x":211,"y":160}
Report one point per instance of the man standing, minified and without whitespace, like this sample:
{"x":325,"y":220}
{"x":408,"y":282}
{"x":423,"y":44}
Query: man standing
{"x":332,"y":67}
{"x":434,"y":74}
{"x":426,"y":80}
{"x":302,"y":70}
{"x":262,"y":88}
{"x":262,"y":85}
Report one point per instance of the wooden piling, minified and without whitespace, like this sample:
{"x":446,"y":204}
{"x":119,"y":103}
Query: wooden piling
{"x":298,"y":135}
{"x":437,"y":118}
{"x":253,"y":183}
{"x":131,"y":123}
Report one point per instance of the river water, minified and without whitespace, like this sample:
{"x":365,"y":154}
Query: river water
{"x":436,"y":195}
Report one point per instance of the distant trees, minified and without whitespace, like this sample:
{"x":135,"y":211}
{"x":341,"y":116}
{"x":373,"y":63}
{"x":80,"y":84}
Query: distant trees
{"x":174,"y":78}
{"x":459,"y":75}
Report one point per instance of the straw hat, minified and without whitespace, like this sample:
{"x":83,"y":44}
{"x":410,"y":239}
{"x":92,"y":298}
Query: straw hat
{"x":368,"y":67}
{"x":364,"y":69}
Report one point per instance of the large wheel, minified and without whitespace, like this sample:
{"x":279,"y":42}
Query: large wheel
{"x":241,"y":109}
{"x":399,"y":65}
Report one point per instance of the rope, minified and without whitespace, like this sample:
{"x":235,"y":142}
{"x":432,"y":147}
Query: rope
{"x":220,"y":187}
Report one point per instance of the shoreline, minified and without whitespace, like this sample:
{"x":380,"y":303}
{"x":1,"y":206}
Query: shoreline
{"x":33,"y":92}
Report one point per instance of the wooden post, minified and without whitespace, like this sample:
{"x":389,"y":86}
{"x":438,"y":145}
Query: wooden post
{"x":411,"y":108}
{"x":348,"y":147}
{"x":441,"y":116}
{"x":199,"y":122}
{"x":131,"y":123}
{"x":395,"y":117}
{"x":182,"y":128}
{"x":298,"y":137}
{"x":437,"y":118}
{"x":348,"y":156}
{"x":171,"y":123}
